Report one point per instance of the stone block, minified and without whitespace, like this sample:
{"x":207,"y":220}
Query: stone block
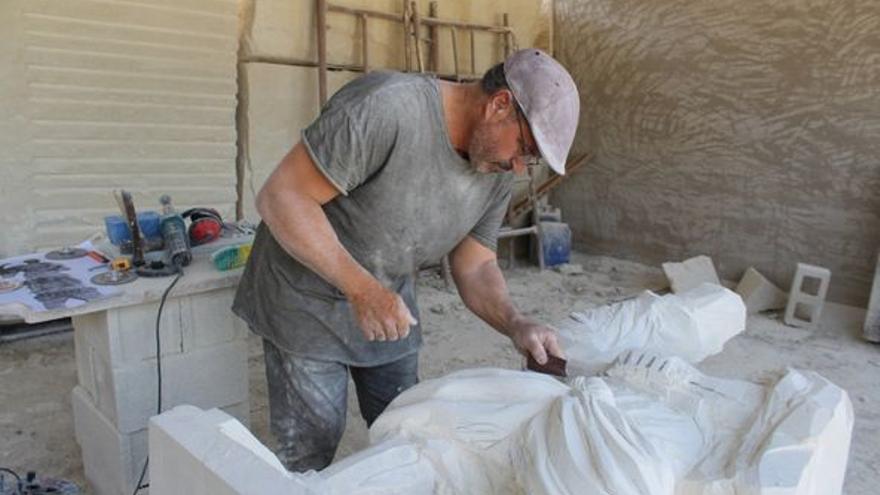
{"x":127,"y":335}
{"x":112,"y":460}
{"x":206,"y":377}
{"x":197,"y":452}
{"x":758,"y":293}
{"x":691,"y":273}
{"x":872,"y":317}
{"x":804,"y":306}
{"x":207,"y":320}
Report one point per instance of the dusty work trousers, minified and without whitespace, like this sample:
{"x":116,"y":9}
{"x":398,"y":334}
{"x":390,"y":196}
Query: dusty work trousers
{"x":308,"y":399}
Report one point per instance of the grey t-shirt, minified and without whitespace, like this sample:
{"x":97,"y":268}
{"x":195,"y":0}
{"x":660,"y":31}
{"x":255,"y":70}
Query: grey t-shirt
{"x":407,"y":200}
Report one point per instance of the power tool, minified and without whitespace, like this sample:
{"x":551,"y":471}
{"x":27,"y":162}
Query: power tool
{"x":174,"y":234}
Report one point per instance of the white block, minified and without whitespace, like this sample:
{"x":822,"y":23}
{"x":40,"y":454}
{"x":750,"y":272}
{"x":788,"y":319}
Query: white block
{"x":872,"y":317}
{"x":195,"y":452}
{"x":209,"y":377}
{"x":691,"y":273}
{"x":112,"y":460}
{"x":127,"y":335}
{"x":803,"y":309}
{"x":758,"y":293}
{"x":692,"y":325}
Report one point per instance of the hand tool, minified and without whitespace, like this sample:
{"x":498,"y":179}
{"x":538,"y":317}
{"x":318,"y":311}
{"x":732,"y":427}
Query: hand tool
{"x":123,"y":198}
{"x":554,"y":366}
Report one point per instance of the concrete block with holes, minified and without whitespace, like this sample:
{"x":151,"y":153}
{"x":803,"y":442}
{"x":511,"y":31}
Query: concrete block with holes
{"x":872,"y":317}
{"x":807,"y":296}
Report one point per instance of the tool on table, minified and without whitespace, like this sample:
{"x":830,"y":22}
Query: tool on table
{"x":174,"y":234}
{"x":66,"y":253}
{"x":127,"y":206}
{"x":206,"y":225}
{"x":231,"y":257}
{"x":98,"y":256}
{"x":554,"y":366}
{"x":120,"y":273}
{"x":177,"y":251}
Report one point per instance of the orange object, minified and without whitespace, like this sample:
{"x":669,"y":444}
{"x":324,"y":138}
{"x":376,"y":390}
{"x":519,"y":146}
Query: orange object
{"x":100,"y":258}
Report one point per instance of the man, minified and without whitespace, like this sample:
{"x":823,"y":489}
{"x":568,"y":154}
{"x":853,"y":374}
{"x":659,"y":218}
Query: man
{"x":399,"y":170}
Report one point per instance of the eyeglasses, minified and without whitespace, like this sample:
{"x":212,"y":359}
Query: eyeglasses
{"x":529,"y":158}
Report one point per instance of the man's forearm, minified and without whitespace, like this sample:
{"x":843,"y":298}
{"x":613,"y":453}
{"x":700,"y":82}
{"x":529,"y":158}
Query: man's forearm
{"x":485,"y":293}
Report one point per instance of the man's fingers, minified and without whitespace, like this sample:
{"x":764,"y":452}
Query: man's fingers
{"x":552,"y":346}
{"x":536,"y":348}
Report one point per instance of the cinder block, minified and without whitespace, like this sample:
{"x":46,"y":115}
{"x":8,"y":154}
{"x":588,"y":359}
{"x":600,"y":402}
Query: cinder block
{"x":127,"y":335}
{"x":206,"y":377}
{"x":803,"y":308}
{"x":758,"y":293}
{"x":112,"y":460}
{"x":85,"y":374}
{"x":207,"y":320}
{"x":872,"y":317}
{"x":691,"y":273}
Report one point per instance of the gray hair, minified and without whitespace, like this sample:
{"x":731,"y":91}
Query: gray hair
{"x":494,"y":80}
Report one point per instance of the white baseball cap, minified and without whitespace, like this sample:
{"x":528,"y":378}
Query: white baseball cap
{"x":549,"y":98}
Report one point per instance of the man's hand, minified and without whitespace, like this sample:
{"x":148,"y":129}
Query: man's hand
{"x":533,"y":338}
{"x":381,"y":314}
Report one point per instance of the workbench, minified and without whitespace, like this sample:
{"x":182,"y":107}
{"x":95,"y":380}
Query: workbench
{"x":204,"y":363}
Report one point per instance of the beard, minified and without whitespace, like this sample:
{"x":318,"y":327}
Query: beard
{"x":483,"y":151}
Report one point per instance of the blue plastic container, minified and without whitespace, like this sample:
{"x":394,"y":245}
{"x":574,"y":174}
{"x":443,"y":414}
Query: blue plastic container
{"x":117,"y":229}
{"x":119,"y":233}
{"x":556,"y":240}
{"x":149,"y":223}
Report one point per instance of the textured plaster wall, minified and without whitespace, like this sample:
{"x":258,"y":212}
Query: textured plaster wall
{"x":104,"y":94}
{"x":743,"y":129}
{"x":281,"y":100}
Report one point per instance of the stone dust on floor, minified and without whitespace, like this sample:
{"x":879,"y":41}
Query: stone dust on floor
{"x":36,"y":425}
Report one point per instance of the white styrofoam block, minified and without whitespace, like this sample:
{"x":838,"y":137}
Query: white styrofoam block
{"x":691,"y":273}
{"x":872,"y":317}
{"x":112,"y":460}
{"x":209,"y":377}
{"x":798,"y":299}
{"x":197,"y":452}
{"x":758,"y":293}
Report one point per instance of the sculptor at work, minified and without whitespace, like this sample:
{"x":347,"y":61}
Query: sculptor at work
{"x":398,"y":170}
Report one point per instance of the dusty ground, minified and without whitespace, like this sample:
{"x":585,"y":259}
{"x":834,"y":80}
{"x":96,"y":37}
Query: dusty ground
{"x":36,"y":428}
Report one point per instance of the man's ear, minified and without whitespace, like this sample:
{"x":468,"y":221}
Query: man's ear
{"x":499,"y":106}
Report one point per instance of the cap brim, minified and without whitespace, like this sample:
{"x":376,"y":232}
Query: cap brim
{"x":548,"y":152}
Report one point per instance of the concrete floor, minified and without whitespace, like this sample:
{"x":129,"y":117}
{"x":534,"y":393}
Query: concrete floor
{"x":36,"y":428}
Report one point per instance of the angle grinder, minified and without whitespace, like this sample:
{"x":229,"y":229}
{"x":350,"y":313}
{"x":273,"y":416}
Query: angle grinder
{"x":177,"y":249}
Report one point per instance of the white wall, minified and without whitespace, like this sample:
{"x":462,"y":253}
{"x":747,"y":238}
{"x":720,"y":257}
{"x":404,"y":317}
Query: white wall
{"x":104,"y":94}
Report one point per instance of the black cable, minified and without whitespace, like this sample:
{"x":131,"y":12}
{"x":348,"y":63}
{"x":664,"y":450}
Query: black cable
{"x":138,"y":486}
{"x":17,"y":478}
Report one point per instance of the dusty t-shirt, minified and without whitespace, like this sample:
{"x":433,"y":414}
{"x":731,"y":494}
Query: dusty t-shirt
{"x":407,"y":199}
